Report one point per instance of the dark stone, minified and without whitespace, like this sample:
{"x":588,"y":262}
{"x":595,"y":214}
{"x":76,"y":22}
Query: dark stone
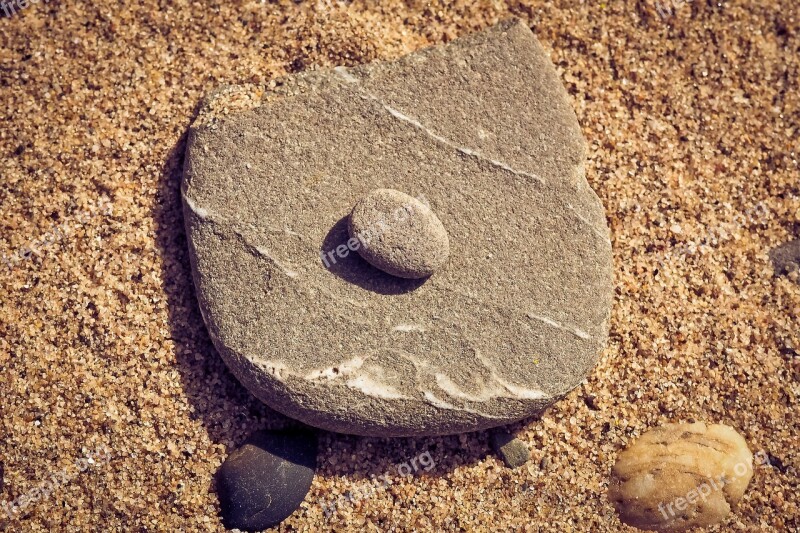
{"x":591,"y":402}
{"x":265,"y":480}
{"x":786,"y":257}
{"x":513,"y":452}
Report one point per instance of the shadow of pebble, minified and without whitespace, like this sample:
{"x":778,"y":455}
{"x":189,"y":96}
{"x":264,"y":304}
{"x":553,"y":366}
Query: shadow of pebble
{"x":354,"y":269}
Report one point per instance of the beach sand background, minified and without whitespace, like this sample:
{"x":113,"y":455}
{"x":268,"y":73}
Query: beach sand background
{"x":693,"y":123}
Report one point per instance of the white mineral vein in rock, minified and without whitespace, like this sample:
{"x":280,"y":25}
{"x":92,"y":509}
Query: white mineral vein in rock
{"x":516,"y":390}
{"x":453,"y":390}
{"x":346,"y":76}
{"x":441,"y":404}
{"x":408,"y":328}
{"x":332,"y":372}
{"x":520,"y":392}
{"x":366,"y":384}
{"x":358,"y":378}
{"x":362,"y":380}
{"x":199,"y":211}
{"x":550,"y":322}
{"x":500,"y":164}
{"x":506,"y":390}
{"x":278,"y":369}
{"x":206,"y":214}
{"x":438,"y":402}
{"x":286,"y":270}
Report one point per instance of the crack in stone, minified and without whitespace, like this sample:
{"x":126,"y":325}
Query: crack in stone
{"x":550,"y":322}
{"x":286,"y":270}
{"x":263,"y":252}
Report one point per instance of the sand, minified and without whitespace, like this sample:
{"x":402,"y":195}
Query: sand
{"x":693,"y":127}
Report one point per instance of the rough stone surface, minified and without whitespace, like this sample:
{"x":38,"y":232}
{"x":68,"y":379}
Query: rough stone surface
{"x":681,"y":476}
{"x":398,"y":234}
{"x":265,"y":480}
{"x":484,"y":130}
{"x":512,"y":451}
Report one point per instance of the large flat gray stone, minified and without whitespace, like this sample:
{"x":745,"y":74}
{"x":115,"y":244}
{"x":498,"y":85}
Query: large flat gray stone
{"x":484,"y":130}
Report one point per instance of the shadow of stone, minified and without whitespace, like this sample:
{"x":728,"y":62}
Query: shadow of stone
{"x":354,"y":269}
{"x":226,"y":409}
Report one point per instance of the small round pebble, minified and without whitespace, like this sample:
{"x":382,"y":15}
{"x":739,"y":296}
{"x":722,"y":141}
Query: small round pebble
{"x":264,"y":481}
{"x":398,"y":234}
{"x":512,"y":451}
{"x":680,"y":476}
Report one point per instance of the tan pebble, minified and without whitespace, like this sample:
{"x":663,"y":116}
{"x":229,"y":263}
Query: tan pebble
{"x":679,"y":476}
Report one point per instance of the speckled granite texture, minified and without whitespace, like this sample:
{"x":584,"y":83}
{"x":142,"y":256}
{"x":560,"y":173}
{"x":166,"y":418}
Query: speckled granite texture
{"x":692,"y":124}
